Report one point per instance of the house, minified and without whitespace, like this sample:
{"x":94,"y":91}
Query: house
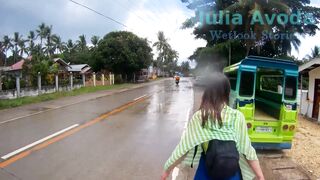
{"x":63,"y":66}
{"x":2,"y":70}
{"x":80,"y":69}
{"x":16,"y":69}
{"x":310,"y":100}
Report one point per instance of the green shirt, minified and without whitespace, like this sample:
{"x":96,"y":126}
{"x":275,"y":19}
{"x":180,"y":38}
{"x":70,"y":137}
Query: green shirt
{"x":233,"y":128}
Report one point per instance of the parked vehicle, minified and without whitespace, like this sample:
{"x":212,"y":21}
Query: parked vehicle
{"x":265,"y":91}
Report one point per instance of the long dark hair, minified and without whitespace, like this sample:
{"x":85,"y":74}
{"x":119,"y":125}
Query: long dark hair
{"x":215,"y":96}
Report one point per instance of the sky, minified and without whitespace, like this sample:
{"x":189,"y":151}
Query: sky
{"x":142,"y":17}
{"x":308,"y":42}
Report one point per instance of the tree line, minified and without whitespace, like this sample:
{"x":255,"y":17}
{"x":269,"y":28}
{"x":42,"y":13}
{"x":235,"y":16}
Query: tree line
{"x":230,"y":51}
{"x":120,"y":52}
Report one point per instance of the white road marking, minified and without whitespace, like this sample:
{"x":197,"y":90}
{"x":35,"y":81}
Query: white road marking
{"x":7,"y":156}
{"x":187,"y":118}
{"x":20,"y":117}
{"x":140,"y":97}
{"x":177,"y":171}
{"x":58,"y":107}
{"x":39,"y":112}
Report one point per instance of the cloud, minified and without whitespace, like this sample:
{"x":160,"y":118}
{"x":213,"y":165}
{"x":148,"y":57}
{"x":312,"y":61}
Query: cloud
{"x":307,"y":44}
{"x":68,"y":19}
{"x":143,"y":17}
{"x":146,"y":23}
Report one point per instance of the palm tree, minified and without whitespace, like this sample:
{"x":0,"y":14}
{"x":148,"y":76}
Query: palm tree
{"x":94,"y":41}
{"x":82,"y":43}
{"x":31,"y":38}
{"x":161,"y":45}
{"x":48,"y":35}
{"x":247,"y":8}
{"x":57,"y":43}
{"x":6,"y":46}
{"x":315,"y":53}
{"x":2,"y":55}
{"x":167,"y":57}
{"x":171,"y":60}
{"x":16,"y":40}
{"x":70,"y":46}
{"x":22,"y":47}
{"x":42,"y":29}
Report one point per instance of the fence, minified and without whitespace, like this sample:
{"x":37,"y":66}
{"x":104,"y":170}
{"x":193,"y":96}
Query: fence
{"x":62,"y":83}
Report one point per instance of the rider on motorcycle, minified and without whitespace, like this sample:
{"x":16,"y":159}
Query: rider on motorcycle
{"x":177,"y":78}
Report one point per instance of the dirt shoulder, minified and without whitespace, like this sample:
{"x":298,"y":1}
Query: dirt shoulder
{"x":306,"y":146}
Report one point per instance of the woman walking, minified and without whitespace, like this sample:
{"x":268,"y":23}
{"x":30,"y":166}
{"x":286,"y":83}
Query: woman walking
{"x":217,"y":135}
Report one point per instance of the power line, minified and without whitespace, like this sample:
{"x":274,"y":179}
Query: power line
{"x":150,"y":17}
{"x":129,"y":10}
{"x":99,"y":13}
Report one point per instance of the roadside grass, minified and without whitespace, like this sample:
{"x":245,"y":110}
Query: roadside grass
{"x":9,"y":103}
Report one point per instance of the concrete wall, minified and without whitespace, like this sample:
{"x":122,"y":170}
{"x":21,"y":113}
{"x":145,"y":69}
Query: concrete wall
{"x":12,"y":94}
{"x":308,"y":104}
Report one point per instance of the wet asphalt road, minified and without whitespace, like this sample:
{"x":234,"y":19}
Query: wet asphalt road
{"x":132,"y":144}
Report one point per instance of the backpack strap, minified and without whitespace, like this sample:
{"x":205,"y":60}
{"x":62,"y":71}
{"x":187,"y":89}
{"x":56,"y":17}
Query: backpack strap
{"x":205,"y":146}
{"x":194,"y":155}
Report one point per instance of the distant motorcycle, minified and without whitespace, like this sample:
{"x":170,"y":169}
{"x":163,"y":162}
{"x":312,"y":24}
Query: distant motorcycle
{"x":177,"y":80}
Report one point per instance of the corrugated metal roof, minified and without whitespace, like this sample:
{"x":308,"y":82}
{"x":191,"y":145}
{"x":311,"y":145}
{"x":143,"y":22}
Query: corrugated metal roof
{"x":305,"y":68}
{"x":61,"y":61}
{"x":85,"y":70}
{"x":77,"y":67}
{"x":17,"y":66}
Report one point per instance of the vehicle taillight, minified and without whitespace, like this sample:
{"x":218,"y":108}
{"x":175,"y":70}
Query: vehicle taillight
{"x":285,"y":127}
{"x":292,"y":127}
{"x":249,"y":125}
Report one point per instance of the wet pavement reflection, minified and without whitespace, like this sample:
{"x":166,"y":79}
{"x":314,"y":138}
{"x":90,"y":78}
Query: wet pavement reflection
{"x":133,"y":144}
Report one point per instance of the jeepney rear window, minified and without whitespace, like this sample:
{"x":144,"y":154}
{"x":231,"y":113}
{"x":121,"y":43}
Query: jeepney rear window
{"x":272,"y":83}
{"x":246,"y":83}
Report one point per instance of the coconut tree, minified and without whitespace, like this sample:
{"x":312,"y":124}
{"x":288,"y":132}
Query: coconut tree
{"x":22,"y":47}
{"x":42,"y":32}
{"x":31,"y":38}
{"x":70,"y":46}
{"x":49,"y":45}
{"x":162,"y":42}
{"x":17,"y":38}
{"x":94,"y":41}
{"x":171,"y":59}
{"x":1,"y":46}
{"x":161,"y":45}
{"x":6,"y":46}
{"x":315,"y":53}
{"x":57,"y":43}
{"x":248,"y":8}
{"x":82,"y":43}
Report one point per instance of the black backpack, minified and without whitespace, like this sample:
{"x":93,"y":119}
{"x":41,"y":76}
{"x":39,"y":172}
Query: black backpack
{"x":221,"y":159}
